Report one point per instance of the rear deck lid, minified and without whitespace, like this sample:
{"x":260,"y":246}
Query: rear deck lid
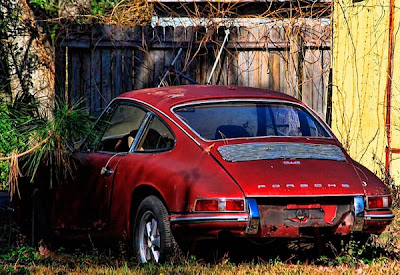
{"x":290,"y":169}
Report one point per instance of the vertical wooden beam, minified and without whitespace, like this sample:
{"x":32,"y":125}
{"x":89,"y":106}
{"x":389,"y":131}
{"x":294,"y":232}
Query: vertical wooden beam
{"x":116,"y":72}
{"x":328,"y":118}
{"x":85,"y":80}
{"x":95,"y":82}
{"x":60,"y":70}
{"x":389,"y":91}
{"x":106,"y":91}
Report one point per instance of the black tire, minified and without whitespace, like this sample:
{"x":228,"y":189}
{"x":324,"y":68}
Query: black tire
{"x":153,"y":240}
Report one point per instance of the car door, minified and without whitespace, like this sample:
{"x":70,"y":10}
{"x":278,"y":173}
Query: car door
{"x":84,"y":201}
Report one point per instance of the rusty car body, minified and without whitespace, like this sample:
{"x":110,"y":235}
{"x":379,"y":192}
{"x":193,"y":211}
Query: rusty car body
{"x":193,"y":162}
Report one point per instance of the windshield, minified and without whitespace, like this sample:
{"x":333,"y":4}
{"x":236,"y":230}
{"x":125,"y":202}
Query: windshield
{"x":213,"y":121}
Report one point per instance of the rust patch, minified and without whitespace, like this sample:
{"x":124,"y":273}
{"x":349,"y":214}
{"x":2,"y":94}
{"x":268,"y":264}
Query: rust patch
{"x":346,"y":225}
{"x":303,"y":206}
{"x":281,"y":231}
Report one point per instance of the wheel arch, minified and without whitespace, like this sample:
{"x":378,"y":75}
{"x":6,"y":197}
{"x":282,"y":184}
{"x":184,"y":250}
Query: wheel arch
{"x":138,"y":194}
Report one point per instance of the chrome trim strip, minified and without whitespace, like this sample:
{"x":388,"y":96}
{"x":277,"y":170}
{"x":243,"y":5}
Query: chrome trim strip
{"x":307,"y":196}
{"x":205,"y":219}
{"x":379,"y":217}
{"x":249,"y":100}
{"x":139,"y":134}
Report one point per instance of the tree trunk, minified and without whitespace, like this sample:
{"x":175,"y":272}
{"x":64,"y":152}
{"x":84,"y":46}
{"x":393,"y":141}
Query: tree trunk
{"x":30,"y":55}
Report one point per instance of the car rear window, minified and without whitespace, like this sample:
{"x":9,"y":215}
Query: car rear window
{"x":213,"y":121}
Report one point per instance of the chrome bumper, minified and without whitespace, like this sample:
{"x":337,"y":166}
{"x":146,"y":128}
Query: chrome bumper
{"x":209,"y":219}
{"x":379,"y":217}
{"x":254,"y":217}
{"x":250,"y":220}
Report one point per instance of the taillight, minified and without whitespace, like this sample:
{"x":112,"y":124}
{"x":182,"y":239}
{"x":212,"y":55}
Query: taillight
{"x":234,"y":205}
{"x":205,"y":205}
{"x":379,"y":202}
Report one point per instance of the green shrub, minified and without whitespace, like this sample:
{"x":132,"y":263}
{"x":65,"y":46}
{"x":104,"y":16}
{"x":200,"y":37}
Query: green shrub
{"x":9,"y":141}
{"x":22,"y":128}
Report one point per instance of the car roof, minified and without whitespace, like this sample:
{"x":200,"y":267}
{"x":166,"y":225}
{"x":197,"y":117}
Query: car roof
{"x":167,"y":97}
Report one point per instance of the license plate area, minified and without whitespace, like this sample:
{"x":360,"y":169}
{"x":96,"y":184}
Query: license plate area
{"x":302,"y":212}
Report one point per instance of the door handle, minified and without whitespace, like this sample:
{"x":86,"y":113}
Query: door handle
{"x":106,"y":171}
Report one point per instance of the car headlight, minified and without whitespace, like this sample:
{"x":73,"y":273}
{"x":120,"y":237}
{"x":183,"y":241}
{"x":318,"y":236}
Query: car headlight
{"x":374,"y":202}
{"x":207,"y":205}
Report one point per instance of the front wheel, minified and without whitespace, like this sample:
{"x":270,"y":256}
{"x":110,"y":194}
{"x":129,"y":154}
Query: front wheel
{"x":153,"y":241}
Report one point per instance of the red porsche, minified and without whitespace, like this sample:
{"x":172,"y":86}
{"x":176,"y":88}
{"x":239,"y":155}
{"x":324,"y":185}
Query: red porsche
{"x":194,"y":162}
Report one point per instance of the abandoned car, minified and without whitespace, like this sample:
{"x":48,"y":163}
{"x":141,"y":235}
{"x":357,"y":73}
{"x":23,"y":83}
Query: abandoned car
{"x":193,"y":162}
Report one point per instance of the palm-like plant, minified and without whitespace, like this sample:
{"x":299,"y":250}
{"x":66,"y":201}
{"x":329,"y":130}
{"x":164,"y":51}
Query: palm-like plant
{"x":45,"y":139}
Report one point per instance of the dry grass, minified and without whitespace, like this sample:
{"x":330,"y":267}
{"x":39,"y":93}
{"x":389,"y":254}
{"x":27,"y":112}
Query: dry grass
{"x":29,"y":261}
{"x":381,"y":266}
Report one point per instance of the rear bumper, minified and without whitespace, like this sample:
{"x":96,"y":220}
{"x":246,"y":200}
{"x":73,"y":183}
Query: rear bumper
{"x":376,"y":221}
{"x":253,"y":223}
{"x":209,"y":225}
{"x":209,"y":218}
{"x":379,"y":216}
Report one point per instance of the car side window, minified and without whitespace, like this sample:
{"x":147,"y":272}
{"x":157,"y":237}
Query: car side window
{"x":157,"y":137}
{"x":121,"y":129}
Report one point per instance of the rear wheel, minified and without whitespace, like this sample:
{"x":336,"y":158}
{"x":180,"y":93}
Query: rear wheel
{"x":153,"y":241}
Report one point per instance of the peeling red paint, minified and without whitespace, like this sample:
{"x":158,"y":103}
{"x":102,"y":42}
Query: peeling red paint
{"x":346,"y":226}
{"x":304,"y":206}
{"x":330,"y":213}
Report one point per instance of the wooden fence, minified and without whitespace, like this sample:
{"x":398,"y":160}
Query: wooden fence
{"x":105,"y":61}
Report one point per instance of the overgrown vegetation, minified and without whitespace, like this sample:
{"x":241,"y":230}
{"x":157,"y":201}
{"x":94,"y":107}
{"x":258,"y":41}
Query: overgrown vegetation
{"x":9,"y":142}
{"x":124,"y":12}
{"x":50,"y":137}
{"x":28,"y":30}
{"x":379,"y":256}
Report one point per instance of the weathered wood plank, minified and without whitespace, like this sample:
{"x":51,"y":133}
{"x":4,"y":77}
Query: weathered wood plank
{"x":168,"y":55}
{"x":74,"y":76}
{"x":86,"y":78}
{"x":117,"y":76}
{"x":127,"y":71}
{"x":275,"y":70}
{"x":317,"y":91}
{"x":285,"y":75}
{"x":264,"y":69}
{"x":307,"y":94}
{"x":106,"y":92}
{"x":135,"y":57}
{"x":60,"y":70}
{"x":158,"y":67}
{"x":95,"y":84}
{"x":232,"y":59}
{"x":139,"y":69}
{"x":219,"y":74}
{"x":190,"y":62}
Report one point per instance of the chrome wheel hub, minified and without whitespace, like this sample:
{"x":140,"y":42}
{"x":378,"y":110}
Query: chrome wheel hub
{"x":149,"y":239}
